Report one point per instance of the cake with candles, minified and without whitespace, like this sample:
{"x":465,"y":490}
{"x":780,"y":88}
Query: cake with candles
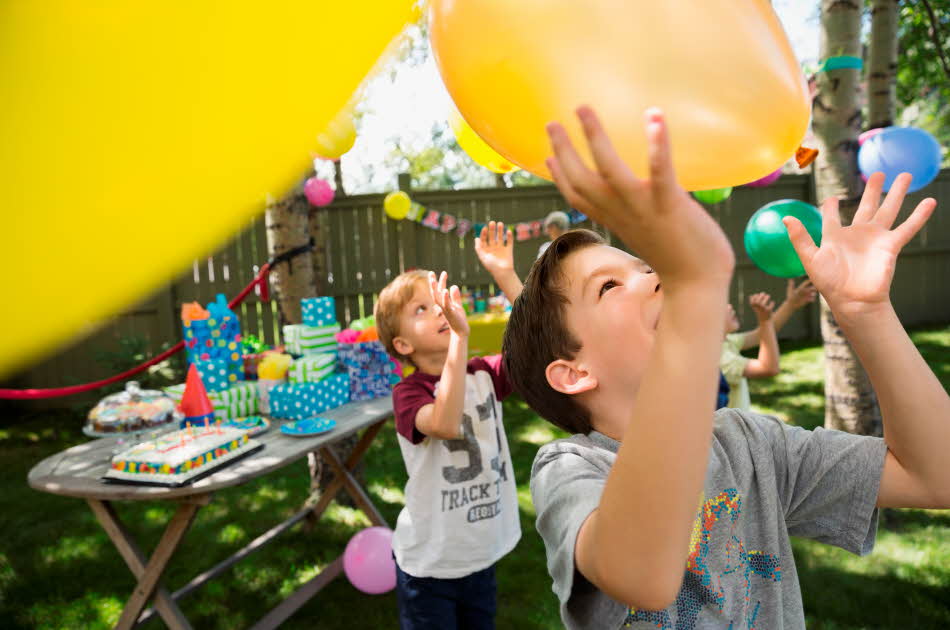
{"x":179,"y":457}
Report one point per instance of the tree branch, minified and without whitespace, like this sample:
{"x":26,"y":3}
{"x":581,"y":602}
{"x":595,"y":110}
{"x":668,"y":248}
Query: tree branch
{"x":935,"y":36}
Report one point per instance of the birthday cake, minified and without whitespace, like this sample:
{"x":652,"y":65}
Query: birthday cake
{"x":175,"y":458}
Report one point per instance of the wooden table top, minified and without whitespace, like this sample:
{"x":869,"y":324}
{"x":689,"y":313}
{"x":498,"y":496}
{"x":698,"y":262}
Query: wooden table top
{"x":76,"y":472}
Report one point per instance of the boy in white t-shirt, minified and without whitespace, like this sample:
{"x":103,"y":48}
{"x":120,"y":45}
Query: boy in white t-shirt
{"x":461,"y":513}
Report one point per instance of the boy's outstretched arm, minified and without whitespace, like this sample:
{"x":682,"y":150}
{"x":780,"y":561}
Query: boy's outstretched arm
{"x":796,"y":296}
{"x":495,"y":250}
{"x":633,"y":547}
{"x":767,"y":363}
{"x":443,"y":418}
{"x":853,"y":270}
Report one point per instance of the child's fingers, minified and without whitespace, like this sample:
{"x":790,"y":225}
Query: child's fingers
{"x":500,"y":233}
{"x":443,"y":278}
{"x":433,"y":286}
{"x":892,"y":203}
{"x":611,"y":167}
{"x":830,"y":219}
{"x":801,"y":240}
{"x":582,"y":180}
{"x":567,"y":191}
{"x":909,"y":228}
{"x":870,"y":199}
{"x":455,"y":295}
{"x":659,"y":155}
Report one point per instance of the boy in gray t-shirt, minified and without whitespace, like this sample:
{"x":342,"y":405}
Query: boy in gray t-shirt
{"x":657,"y":513}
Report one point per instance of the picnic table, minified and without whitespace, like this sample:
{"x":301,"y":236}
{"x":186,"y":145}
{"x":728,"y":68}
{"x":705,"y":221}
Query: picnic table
{"x":76,"y":472}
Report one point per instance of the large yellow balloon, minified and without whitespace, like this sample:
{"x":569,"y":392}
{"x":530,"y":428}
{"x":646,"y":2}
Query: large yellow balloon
{"x":722,"y":70}
{"x":476,"y":148}
{"x":138,"y":135}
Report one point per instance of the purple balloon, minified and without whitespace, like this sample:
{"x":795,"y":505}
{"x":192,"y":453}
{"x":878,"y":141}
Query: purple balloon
{"x":318,"y":192}
{"x":368,"y":560}
{"x":766,"y":181}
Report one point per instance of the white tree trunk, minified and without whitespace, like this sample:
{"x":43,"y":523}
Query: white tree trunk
{"x":850,"y":402}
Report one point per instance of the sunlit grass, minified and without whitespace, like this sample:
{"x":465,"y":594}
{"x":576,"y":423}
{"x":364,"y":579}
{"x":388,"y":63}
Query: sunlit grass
{"x":58,"y":569}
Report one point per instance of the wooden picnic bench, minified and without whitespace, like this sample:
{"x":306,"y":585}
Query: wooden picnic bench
{"x":76,"y":472}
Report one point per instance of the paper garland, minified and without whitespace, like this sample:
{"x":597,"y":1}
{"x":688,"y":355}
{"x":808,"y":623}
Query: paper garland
{"x":448,"y":223}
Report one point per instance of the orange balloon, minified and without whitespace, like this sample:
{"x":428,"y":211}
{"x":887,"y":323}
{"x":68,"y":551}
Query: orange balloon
{"x":723,"y":71}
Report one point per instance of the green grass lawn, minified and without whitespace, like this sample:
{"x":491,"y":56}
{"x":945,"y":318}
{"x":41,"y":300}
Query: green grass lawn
{"x":59,"y":570}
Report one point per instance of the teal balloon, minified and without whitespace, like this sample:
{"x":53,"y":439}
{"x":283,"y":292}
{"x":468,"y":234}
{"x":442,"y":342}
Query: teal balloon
{"x":767,"y":242}
{"x":716,"y":195}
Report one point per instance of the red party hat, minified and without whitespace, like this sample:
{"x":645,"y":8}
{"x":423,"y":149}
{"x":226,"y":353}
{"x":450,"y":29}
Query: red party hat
{"x":194,"y":402}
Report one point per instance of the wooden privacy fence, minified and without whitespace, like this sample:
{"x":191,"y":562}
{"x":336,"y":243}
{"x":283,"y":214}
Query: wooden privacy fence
{"x":362,"y":251}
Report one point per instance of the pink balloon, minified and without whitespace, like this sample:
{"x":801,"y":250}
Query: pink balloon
{"x":867,"y":135}
{"x":318,"y":192}
{"x":766,"y":181}
{"x":368,"y":560}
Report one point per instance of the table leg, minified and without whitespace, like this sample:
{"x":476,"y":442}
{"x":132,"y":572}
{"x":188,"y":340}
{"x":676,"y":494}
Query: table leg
{"x":149,"y":573}
{"x":353,"y":487}
{"x":337,"y":483}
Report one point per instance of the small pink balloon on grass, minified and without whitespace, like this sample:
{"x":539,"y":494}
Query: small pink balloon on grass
{"x":368,"y":560}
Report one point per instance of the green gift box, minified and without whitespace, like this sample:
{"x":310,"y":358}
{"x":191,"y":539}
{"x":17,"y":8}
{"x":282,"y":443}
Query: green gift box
{"x":312,"y":368}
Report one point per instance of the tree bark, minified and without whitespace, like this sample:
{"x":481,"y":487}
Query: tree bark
{"x":850,"y":401}
{"x":882,"y":64}
{"x":288,"y":226}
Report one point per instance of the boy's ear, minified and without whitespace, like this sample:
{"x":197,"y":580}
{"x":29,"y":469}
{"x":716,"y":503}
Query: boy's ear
{"x":402,"y":346}
{"x":569,"y":378}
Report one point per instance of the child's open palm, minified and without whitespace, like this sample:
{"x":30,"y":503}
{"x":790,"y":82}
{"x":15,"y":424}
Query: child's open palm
{"x":494,"y":250}
{"x":854,"y":266}
{"x":450,"y":301}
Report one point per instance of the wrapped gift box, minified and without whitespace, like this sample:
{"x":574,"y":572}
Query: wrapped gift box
{"x":312,"y":368}
{"x":319,"y":311}
{"x":301,"y":339}
{"x":219,"y":374}
{"x":214,"y":337}
{"x":234,"y":402}
{"x":305,"y":400}
{"x":369,"y":368}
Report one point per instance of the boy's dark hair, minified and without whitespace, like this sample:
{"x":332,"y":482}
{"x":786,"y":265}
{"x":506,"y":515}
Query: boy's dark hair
{"x":537,"y":334}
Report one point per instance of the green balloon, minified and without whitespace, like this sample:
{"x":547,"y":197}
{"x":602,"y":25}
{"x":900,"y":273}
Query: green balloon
{"x":767,"y":242}
{"x":716,"y":195}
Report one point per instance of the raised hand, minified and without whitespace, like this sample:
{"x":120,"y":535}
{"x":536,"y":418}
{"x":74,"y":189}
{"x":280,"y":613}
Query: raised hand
{"x":798,"y":296}
{"x":495,"y":248}
{"x":854,"y":266}
{"x":763,"y":305}
{"x":450,"y":301}
{"x":654,"y":216}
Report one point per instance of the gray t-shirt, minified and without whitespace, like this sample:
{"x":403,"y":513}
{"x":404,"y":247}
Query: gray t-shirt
{"x":765,"y":480}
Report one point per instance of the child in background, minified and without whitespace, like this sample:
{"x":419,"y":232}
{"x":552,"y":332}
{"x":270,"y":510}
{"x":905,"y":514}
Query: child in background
{"x":461,"y":513}
{"x":737,"y":368}
{"x":657,"y":512}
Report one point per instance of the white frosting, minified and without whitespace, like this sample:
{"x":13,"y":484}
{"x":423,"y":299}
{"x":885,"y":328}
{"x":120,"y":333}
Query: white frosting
{"x":175,"y":448}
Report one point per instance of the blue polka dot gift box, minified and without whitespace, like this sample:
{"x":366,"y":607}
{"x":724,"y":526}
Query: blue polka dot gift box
{"x":369,"y":368}
{"x":320,"y":311}
{"x":219,"y":374}
{"x":303,"y":400}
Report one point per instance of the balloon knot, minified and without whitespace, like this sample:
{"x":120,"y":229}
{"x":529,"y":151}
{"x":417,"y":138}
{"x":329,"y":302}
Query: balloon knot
{"x":805,"y":156}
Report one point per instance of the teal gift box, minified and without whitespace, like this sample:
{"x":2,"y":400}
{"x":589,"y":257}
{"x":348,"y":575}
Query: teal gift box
{"x":305,"y":400}
{"x":320,"y":311}
{"x":218,"y":374}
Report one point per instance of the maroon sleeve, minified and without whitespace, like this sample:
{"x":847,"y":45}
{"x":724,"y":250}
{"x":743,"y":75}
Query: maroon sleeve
{"x":496,"y":368}
{"x":409,"y":396}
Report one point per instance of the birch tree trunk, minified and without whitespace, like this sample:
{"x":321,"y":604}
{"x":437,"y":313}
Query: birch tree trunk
{"x":850,"y":401}
{"x":288,"y":226}
{"x":882,"y":64}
